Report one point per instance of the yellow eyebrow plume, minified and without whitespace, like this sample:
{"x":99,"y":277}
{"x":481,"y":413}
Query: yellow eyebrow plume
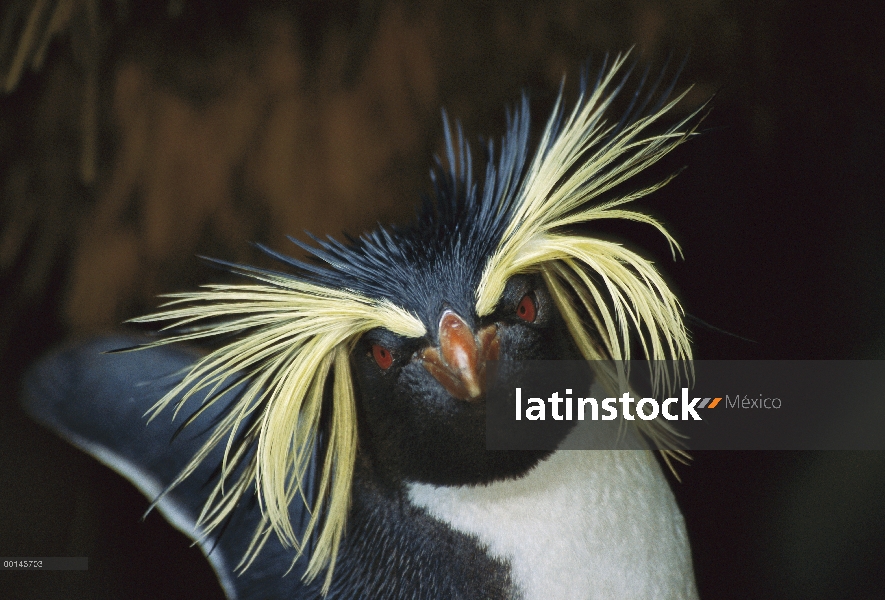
{"x":292,"y":334}
{"x":605,"y":292}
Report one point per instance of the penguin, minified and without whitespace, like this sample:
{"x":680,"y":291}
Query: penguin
{"x":331,"y":443}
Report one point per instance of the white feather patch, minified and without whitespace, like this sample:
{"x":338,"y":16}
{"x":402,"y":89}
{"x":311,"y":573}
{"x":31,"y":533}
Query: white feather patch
{"x":583,"y":524}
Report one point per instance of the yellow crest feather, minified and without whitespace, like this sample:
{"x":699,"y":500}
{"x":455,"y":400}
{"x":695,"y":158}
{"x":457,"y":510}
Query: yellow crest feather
{"x":620,"y":292}
{"x":298,"y":333}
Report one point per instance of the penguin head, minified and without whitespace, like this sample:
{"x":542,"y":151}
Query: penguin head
{"x":422,"y":401}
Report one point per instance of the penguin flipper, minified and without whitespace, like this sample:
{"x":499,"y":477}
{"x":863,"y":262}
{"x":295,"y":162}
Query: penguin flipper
{"x":97,"y":402}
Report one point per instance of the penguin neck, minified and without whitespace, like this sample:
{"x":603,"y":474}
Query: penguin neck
{"x":581,"y":524}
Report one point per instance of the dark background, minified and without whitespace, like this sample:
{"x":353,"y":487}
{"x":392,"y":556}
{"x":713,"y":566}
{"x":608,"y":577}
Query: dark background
{"x":143,"y":133}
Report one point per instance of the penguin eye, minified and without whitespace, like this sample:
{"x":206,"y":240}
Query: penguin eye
{"x":526,"y":310}
{"x":382,"y":356}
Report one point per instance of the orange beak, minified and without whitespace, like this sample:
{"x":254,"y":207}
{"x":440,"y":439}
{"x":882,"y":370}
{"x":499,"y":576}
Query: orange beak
{"x":459,"y":363}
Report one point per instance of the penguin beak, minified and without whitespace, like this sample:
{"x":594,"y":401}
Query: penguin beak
{"x":459,"y":363}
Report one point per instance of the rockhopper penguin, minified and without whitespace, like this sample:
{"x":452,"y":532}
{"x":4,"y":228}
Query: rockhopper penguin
{"x":332,"y":444}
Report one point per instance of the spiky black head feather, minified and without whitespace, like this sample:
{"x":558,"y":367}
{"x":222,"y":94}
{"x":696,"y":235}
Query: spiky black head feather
{"x":438,"y":260}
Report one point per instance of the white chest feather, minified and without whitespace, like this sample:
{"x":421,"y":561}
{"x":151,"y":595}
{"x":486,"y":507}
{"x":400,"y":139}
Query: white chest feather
{"x":581,"y":525}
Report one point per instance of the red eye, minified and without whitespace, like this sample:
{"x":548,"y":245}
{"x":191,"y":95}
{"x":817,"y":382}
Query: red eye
{"x":526,"y":309}
{"x":382,"y":356}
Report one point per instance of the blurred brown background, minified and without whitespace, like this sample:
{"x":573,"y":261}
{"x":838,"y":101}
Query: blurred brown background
{"x":135,"y":135}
